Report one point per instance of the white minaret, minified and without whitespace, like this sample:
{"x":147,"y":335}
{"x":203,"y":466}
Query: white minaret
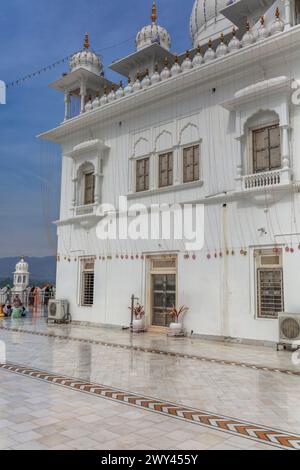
{"x":21,"y":276}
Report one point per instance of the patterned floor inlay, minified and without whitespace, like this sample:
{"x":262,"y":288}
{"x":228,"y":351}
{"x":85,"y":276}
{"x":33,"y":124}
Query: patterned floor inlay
{"x":236,"y":427}
{"x":156,"y":351}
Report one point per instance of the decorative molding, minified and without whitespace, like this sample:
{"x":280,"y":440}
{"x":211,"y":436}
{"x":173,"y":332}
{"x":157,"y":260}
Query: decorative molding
{"x":258,"y":92}
{"x":87,"y":147}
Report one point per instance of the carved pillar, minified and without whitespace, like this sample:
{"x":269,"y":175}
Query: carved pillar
{"x":67,"y":106}
{"x":285,"y":151}
{"x":288,"y":14}
{"x":239,"y":164}
{"x":98,"y":176}
{"x":74,"y":198}
{"x":82,"y":97}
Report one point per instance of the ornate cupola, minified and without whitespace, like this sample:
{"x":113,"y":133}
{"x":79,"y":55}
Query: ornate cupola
{"x":153,"y":33}
{"x":87,"y":59}
{"x":153,"y":44}
{"x":84,"y":83}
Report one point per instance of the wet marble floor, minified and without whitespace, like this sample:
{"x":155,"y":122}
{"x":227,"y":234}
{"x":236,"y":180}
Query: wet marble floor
{"x":37,"y":414}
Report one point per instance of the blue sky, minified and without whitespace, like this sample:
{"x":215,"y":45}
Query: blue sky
{"x":33,"y":34}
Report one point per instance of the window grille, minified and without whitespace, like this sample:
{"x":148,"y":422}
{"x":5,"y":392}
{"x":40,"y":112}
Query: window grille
{"x":142,"y":175}
{"x":87,"y":283}
{"x":191,"y":170}
{"x":266,"y":149}
{"x":165,"y":170}
{"x":160,"y":263}
{"x":270,"y":294}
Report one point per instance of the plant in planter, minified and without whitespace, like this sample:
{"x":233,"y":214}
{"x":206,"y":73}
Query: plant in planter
{"x":176,"y":326}
{"x":139,"y":315}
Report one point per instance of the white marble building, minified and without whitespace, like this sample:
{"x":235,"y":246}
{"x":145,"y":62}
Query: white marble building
{"x":217,"y":125}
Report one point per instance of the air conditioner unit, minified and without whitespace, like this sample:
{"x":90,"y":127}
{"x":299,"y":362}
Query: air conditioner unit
{"x":58,"y":310}
{"x":289,"y":329}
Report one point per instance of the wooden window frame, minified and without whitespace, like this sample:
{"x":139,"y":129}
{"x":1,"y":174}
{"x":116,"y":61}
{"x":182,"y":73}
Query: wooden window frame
{"x":146,"y":175}
{"x":87,"y":202}
{"x":185,"y":148}
{"x":254,"y":132}
{"x":169,"y":170}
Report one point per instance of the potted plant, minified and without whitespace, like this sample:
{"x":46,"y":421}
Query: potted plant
{"x":176,"y":327}
{"x":139,"y":315}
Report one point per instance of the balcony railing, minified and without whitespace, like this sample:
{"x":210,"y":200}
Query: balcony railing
{"x":262,"y":180}
{"x":84,"y":210}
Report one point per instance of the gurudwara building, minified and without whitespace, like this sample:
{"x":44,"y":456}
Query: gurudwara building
{"x":217,"y":125}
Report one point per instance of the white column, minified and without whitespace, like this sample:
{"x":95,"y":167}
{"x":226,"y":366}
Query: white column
{"x":285,"y":151}
{"x":82,"y":96}
{"x":288,"y":14}
{"x":153,"y":168}
{"x":74,"y":181}
{"x":67,"y":106}
{"x":98,"y":177}
{"x":132,"y":175}
{"x":239,"y":164}
{"x":177,"y":165}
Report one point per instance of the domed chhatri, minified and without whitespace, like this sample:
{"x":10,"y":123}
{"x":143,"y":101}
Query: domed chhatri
{"x":86,"y":59}
{"x":153,"y":33}
{"x":21,"y":276}
{"x":21,"y":266}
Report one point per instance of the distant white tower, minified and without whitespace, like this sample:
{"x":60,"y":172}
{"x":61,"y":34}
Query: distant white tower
{"x":21,"y":276}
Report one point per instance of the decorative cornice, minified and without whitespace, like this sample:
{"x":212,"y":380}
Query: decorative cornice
{"x":216,"y":70}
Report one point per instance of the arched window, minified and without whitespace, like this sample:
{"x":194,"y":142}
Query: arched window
{"x":86,"y":183}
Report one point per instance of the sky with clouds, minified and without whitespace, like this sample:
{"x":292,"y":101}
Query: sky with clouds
{"x":34,"y":34}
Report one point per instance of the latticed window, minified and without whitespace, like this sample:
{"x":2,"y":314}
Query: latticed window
{"x":89,"y":188}
{"x":266,"y":149}
{"x":270,"y":296}
{"x":142,"y":175}
{"x":87,"y":283}
{"x":165,"y":170}
{"x":191,"y":163}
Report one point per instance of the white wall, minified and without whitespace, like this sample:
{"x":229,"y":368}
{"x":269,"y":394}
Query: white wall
{"x":218,"y":292}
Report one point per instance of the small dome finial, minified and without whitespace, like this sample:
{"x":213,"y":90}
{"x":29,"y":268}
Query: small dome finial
{"x":154,"y":12}
{"x":86,"y":41}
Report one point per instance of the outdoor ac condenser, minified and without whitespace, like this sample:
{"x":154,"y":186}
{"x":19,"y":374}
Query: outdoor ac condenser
{"x":289,"y":329}
{"x":58,"y":310}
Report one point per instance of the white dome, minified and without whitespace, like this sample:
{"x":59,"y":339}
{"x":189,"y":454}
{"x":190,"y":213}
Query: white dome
{"x":22,"y":266}
{"x":86,"y":59}
{"x":153,"y":33}
{"x":206,"y":20}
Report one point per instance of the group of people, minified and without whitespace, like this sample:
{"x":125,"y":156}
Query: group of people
{"x":16,"y":309}
{"x":13,"y":305}
{"x":37,"y":296}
